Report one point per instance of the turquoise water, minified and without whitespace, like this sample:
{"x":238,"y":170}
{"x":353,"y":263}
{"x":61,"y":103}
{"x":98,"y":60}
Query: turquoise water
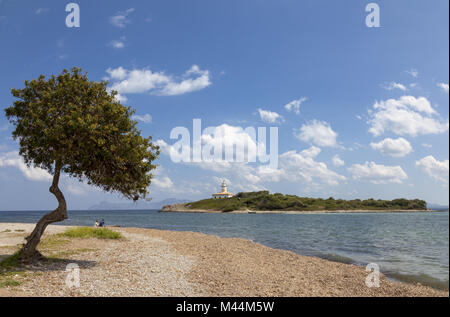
{"x":411,"y":247}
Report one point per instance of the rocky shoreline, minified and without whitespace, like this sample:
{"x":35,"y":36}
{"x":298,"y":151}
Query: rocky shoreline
{"x":183,"y":208}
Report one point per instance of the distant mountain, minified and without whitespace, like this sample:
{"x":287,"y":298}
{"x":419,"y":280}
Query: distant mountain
{"x":140,"y":205}
{"x":437,"y":207}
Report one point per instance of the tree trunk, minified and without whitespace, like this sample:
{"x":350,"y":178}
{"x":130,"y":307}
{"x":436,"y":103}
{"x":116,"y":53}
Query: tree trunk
{"x":29,"y":254}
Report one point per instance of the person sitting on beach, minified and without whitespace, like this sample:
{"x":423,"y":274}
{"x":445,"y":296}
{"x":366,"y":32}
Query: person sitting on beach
{"x":96,"y":224}
{"x":102,"y":223}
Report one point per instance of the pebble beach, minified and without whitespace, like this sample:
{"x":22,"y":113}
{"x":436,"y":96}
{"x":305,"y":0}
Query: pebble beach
{"x":149,"y":262}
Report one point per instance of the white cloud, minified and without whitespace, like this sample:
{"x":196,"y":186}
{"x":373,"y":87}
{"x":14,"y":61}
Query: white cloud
{"x":76,"y":190}
{"x":120,"y":19}
{"x":405,"y":116}
{"x":41,"y":10}
{"x":121,"y":98}
{"x":118,"y":73}
{"x":117,"y":44}
{"x":164,"y":183}
{"x":194,"y":79}
{"x":413,"y":72}
{"x":146,"y":118}
{"x":443,"y":86}
{"x":270,"y":116}
{"x":295,"y":105}
{"x":378,"y":174}
{"x":317,"y":132}
{"x":293,"y":166}
{"x":427,"y":145}
{"x":157,"y":83}
{"x":394,"y":85}
{"x":337,"y":161}
{"x":15,"y":160}
{"x":302,"y":167}
{"x":233,"y":144}
{"x":230,"y":137}
{"x":438,"y":170}
{"x":394,"y":147}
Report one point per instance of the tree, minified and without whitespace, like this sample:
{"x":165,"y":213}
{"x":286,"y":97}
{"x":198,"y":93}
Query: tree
{"x":72,"y":125}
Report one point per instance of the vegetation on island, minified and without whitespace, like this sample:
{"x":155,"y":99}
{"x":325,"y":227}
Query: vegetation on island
{"x":265,"y":201}
{"x":69,"y":124}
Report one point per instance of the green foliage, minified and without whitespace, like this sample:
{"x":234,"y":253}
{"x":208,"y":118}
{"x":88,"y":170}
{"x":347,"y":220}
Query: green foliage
{"x":263,"y":200}
{"x":86,"y":232}
{"x":8,"y":283}
{"x":79,"y":124}
{"x":11,"y":261}
{"x":11,"y":271}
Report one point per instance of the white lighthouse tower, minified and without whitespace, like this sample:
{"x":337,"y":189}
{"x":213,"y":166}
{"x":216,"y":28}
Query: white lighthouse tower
{"x":224,"y":193}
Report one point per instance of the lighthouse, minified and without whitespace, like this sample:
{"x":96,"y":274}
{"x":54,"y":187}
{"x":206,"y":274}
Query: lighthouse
{"x":224,"y":193}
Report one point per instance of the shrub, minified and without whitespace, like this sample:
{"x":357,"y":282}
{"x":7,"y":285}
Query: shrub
{"x":85,"y":233}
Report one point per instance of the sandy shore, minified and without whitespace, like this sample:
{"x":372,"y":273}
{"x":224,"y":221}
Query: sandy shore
{"x":168,"y":263}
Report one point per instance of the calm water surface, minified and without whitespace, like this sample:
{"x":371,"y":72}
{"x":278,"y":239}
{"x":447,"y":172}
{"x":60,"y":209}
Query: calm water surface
{"x":407,"y":246}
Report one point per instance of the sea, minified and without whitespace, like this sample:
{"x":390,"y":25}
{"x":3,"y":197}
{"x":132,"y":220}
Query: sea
{"x":408,"y":247}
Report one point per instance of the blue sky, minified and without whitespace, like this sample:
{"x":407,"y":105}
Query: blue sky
{"x":368,"y":107}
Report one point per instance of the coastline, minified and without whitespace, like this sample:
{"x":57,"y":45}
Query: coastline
{"x":151,"y":262}
{"x":182,"y":208}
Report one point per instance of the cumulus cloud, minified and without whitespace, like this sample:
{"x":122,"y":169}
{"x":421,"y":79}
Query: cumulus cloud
{"x":146,"y":118}
{"x":405,"y":116}
{"x":15,"y":160}
{"x":194,"y":79}
{"x":394,"y":147}
{"x":377,"y":174}
{"x":337,"y":161}
{"x":317,"y":132}
{"x":226,"y":138}
{"x":163,"y":183}
{"x":121,"y":98}
{"x":394,"y":85}
{"x":219,"y":145}
{"x":438,"y":170}
{"x":294,"y":105}
{"x":158,"y":83}
{"x":118,"y":73}
{"x":443,"y":86}
{"x":120,"y":19}
{"x":270,"y":116}
{"x":303,"y":167}
{"x":292,"y":167}
{"x":118,"y":44}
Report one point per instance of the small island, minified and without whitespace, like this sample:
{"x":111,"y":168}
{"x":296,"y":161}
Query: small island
{"x":265,"y":202}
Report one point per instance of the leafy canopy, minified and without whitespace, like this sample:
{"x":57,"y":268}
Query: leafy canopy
{"x":76,"y":124}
